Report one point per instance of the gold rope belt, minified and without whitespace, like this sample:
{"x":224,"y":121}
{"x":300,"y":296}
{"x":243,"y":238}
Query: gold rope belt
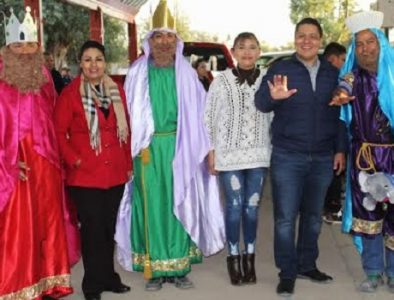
{"x":145,"y":156}
{"x":365,"y":153}
{"x":159,"y":134}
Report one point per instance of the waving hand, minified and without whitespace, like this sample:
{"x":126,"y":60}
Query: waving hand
{"x":278,"y":89}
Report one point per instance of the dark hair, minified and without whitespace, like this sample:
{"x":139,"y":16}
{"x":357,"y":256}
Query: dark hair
{"x":91,"y":44}
{"x":334,"y":48}
{"x":47,"y":53}
{"x":198,"y":62}
{"x":245,"y":36}
{"x":309,"y":21}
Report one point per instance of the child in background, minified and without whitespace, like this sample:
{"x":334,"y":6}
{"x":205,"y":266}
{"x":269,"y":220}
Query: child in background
{"x":203,"y":72}
{"x":336,"y":54}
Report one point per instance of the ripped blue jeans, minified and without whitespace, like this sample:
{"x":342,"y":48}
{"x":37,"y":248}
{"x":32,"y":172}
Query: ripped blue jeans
{"x":242,"y":192}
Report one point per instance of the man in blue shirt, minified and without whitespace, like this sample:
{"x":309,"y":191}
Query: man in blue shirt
{"x":308,"y":142}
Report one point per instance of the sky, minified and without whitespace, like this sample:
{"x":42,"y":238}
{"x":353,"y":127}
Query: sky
{"x":269,"y":20}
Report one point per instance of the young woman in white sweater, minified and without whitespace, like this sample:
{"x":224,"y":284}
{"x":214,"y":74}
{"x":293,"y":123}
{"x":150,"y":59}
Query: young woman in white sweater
{"x":241,"y":150}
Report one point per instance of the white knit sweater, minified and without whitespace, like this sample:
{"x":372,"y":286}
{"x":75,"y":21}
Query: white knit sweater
{"x":239,"y":133}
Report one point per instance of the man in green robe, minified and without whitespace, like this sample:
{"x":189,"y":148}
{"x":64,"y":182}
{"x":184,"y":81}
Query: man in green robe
{"x":176,"y":211}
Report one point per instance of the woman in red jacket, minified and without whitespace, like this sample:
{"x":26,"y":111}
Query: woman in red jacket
{"x":94,"y":137}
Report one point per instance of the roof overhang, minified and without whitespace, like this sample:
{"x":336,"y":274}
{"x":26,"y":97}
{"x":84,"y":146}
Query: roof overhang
{"x":125,"y":10}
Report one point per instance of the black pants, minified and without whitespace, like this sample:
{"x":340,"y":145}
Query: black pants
{"x":97,"y":212}
{"x":333,"y":203}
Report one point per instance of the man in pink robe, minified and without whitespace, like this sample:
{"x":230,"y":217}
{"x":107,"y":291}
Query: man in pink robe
{"x":34,"y":261}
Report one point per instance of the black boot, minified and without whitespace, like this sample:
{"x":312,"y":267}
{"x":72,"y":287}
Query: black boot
{"x":234,"y":269}
{"x":248,"y":268}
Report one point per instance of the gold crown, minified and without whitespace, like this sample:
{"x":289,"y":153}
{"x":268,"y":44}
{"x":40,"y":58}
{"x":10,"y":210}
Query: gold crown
{"x":162,"y":16}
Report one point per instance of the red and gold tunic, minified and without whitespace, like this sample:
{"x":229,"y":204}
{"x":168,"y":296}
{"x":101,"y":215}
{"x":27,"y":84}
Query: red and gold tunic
{"x":33,"y":248}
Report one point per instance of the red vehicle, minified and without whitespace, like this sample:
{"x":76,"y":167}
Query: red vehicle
{"x":217,"y":54}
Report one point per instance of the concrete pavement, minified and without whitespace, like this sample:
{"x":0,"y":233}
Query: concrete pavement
{"x":338,"y":258}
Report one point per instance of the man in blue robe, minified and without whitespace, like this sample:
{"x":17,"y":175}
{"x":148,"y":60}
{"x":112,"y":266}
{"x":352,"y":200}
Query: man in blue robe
{"x":369,"y":116}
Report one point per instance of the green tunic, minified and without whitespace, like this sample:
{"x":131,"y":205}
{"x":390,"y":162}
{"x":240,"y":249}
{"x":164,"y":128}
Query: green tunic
{"x":171,"y":250}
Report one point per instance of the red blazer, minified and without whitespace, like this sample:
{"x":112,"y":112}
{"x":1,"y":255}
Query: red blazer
{"x":107,"y":169}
